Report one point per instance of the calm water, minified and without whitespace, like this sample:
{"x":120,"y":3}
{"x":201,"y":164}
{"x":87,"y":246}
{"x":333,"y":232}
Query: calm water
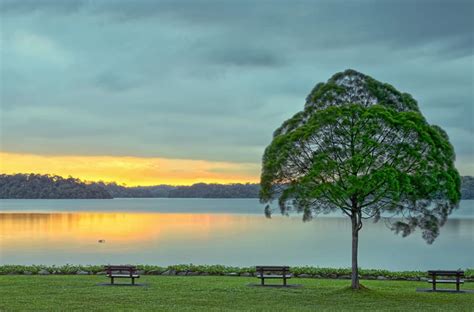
{"x":214,"y":231}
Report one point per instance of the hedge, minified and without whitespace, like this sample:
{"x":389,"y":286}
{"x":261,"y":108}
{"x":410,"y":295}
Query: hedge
{"x":191,"y":269}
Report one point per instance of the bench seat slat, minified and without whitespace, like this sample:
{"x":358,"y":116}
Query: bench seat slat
{"x":274,"y":276}
{"x":446,"y":281}
{"x":123,"y":275}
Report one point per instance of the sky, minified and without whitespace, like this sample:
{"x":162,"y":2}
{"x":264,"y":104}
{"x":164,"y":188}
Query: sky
{"x":177,"y":92}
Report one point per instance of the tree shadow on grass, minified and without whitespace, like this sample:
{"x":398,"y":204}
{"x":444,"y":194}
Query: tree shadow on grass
{"x":122,"y":285}
{"x":348,"y":289}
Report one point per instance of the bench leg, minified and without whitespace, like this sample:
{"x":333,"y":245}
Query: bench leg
{"x":284,"y":281}
{"x":111,"y":280}
{"x":133,"y":280}
{"x":263,"y":281}
{"x":457,"y":286}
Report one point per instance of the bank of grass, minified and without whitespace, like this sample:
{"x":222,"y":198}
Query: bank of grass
{"x":218,"y":293}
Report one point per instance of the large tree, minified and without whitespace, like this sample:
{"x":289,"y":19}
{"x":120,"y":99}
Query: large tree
{"x":362,"y":148}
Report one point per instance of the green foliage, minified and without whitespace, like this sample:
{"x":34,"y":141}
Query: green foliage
{"x":216,"y":270}
{"x":63,"y":269}
{"x":469,"y":273}
{"x":147,"y":268}
{"x":211,"y":269}
{"x":385,"y":93}
{"x":326,"y":92}
{"x":374,"y":273}
{"x":388,"y":96}
{"x":367,"y":160}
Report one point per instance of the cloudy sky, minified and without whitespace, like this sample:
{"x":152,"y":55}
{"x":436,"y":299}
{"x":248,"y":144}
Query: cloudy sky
{"x":147,"y":92}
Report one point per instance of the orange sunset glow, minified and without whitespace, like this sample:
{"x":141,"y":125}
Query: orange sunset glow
{"x":132,"y":171}
{"x":115,"y":228}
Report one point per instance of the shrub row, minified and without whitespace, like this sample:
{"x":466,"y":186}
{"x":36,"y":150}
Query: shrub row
{"x":191,"y":269}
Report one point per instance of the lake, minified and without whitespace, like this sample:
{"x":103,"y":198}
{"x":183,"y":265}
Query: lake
{"x":214,"y":231}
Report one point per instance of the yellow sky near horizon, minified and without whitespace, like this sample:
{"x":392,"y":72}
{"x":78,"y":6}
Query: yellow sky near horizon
{"x":132,"y":171}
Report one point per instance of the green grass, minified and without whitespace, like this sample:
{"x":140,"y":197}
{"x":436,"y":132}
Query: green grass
{"x":213,"y":293}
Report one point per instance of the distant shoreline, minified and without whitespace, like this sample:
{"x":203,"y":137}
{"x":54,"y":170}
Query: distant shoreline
{"x":36,"y":186}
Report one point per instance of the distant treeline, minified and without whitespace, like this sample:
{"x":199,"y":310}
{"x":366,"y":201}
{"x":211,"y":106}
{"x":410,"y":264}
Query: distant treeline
{"x":198,"y":190}
{"x":50,"y":186}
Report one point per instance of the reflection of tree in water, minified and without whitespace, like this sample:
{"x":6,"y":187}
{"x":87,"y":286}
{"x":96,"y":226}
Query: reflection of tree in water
{"x":459,"y":227}
{"x":210,"y":238}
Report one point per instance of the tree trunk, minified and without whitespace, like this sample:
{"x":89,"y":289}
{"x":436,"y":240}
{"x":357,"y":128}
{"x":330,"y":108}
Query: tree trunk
{"x":355,"y":244}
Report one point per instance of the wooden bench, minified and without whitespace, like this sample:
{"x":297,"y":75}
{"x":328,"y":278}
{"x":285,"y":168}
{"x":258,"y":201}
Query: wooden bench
{"x":443,"y":273}
{"x":121,"y":271}
{"x":264,"y":272}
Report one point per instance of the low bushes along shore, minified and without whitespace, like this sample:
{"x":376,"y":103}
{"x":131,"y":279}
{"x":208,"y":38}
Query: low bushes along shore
{"x":190,"y":270}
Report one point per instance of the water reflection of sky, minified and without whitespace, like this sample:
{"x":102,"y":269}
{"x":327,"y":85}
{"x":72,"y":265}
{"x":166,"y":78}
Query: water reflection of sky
{"x":237,"y":238}
{"x":167,"y":205}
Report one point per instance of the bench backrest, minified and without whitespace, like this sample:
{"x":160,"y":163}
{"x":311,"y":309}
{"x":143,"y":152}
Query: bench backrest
{"x":120,"y":268}
{"x":272,"y":268}
{"x":446,"y":273}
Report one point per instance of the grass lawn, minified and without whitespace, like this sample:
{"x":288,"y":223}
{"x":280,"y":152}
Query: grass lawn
{"x":209,"y":293}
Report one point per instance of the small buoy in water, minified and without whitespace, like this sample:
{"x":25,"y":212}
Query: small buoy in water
{"x":101,"y":240}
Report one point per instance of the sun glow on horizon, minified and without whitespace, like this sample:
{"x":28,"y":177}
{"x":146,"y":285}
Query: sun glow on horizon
{"x":132,"y":171}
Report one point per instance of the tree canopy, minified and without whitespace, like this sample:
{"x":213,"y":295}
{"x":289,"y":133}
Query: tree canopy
{"x":363,"y":148}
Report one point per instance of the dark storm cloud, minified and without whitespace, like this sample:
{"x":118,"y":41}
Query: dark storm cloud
{"x":333,"y":23}
{"x":246,"y":57}
{"x":213,"y":79}
{"x":398,"y":21}
{"x":28,"y":6}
